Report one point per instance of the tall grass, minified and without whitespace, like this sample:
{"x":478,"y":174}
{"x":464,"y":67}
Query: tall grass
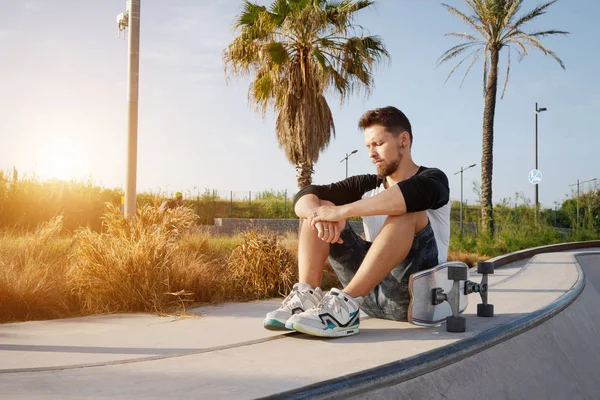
{"x":33,"y":270}
{"x":130,"y":265}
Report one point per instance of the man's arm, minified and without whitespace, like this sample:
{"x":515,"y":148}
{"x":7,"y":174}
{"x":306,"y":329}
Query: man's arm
{"x":427,"y":190}
{"x":389,"y":202}
{"x":338,"y":193}
{"x":305,"y":204}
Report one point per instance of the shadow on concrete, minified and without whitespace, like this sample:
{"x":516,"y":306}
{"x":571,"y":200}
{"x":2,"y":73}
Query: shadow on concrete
{"x":95,"y":349}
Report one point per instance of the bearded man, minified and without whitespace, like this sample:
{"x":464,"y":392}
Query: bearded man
{"x":406,"y":216}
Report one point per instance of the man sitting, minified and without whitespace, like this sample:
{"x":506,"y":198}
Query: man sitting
{"x":406,"y":217}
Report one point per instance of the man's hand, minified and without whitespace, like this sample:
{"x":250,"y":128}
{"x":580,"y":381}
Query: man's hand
{"x":327,"y":213}
{"x":330,"y":231}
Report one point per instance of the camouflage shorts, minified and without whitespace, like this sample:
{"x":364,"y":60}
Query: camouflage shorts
{"x":390,"y":298}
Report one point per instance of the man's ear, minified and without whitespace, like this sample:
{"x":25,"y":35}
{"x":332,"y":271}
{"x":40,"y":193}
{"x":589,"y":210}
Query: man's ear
{"x":406,"y":139}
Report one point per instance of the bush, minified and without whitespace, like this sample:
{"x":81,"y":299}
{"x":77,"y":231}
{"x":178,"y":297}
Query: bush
{"x":130,"y":265}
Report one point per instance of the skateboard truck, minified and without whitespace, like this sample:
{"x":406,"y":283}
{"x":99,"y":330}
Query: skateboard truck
{"x":457,"y":273}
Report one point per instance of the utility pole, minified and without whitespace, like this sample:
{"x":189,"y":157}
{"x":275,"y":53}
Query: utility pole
{"x":346,"y":159}
{"x":131,"y":19}
{"x":537,"y":111}
{"x":577,"y":184}
{"x":461,"y":193}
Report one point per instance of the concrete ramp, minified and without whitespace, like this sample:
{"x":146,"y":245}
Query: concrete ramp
{"x":558,"y":359}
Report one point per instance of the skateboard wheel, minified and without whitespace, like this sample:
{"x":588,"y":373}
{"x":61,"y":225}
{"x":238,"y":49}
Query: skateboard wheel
{"x":484,"y":267}
{"x":456,"y":324}
{"x":485,"y":310}
{"x":458,"y":273}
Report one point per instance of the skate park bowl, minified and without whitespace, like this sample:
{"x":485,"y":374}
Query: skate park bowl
{"x":541,"y":343}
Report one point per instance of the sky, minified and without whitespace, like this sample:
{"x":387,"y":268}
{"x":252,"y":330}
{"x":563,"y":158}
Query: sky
{"x":63,"y":104}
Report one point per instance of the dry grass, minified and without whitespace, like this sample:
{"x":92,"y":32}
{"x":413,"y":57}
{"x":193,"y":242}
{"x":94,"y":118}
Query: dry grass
{"x":470,"y":259}
{"x":261,"y":267}
{"x":130,"y":265}
{"x":33,"y":270}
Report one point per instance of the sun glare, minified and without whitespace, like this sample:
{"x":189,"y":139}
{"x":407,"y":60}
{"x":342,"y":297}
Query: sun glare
{"x":64,"y":160}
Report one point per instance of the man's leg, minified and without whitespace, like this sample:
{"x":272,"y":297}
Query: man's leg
{"x":390,"y":248}
{"x":312,"y":253}
{"x":306,"y":294}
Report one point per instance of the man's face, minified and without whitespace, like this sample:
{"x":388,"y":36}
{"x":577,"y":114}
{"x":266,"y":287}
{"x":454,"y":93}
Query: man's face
{"x":384,"y":149}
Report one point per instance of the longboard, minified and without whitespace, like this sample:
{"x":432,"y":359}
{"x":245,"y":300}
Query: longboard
{"x":422,"y":310}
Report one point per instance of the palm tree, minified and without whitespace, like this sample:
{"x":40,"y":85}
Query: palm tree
{"x":296,"y":51}
{"x":496,"y":27}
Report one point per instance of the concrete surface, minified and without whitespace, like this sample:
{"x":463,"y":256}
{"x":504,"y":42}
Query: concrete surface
{"x":225,"y":352}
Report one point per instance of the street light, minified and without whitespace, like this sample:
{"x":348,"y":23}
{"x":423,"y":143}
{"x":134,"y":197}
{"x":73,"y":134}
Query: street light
{"x":537,"y":111}
{"x":346,"y":159}
{"x":131,"y":19}
{"x":461,"y":193}
{"x":577,"y":184}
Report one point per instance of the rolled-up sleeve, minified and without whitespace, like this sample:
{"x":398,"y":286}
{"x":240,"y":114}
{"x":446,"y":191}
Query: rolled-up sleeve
{"x":343,"y":192}
{"x":424,"y":191}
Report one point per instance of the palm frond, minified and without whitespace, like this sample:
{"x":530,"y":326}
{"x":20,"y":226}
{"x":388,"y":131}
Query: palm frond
{"x":460,"y":63}
{"x":475,"y":58}
{"x":480,"y":16}
{"x":523,"y":48}
{"x":514,"y":8}
{"x":534,"y":42}
{"x":468,"y":20}
{"x":548,"y":33}
{"x":249,"y":15}
{"x":464,"y":36}
{"x":280,"y":10}
{"x":536,"y":12}
{"x":454,"y":51}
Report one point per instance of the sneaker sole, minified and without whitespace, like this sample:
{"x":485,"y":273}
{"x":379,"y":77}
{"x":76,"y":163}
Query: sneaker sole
{"x":336,"y":332}
{"x":274,"y":325}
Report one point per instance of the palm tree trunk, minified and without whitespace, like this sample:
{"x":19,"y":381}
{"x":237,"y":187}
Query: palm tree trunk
{"x":304,"y":172}
{"x":487,"y":156}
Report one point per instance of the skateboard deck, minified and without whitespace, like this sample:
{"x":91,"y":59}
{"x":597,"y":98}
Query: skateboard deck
{"x":421,"y":310}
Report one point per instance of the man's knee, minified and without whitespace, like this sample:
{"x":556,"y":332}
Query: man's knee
{"x":416,"y":220}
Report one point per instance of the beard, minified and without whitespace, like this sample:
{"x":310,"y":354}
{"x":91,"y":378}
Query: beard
{"x":386,"y":169}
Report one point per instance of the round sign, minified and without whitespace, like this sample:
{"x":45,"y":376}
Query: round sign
{"x":535,"y":176}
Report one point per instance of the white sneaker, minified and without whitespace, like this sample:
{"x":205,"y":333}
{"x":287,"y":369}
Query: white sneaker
{"x":336,"y":315}
{"x":302,"y":298}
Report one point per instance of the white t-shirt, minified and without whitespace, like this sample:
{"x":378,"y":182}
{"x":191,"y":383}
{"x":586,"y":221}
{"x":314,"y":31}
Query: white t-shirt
{"x":439,"y":219}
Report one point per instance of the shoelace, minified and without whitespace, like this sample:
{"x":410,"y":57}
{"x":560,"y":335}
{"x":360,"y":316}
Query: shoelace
{"x":295,"y":293}
{"x":329,"y":302}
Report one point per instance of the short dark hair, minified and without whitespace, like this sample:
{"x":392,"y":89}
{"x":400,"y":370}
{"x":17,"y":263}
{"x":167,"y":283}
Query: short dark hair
{"x":393,"y":119}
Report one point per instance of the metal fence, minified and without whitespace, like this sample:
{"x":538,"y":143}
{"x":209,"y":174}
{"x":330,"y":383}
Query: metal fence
{"x":240,"y":204}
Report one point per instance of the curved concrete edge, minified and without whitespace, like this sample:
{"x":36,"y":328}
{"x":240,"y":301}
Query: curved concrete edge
{"x":553,"y":248}
{"x":400,"y":371}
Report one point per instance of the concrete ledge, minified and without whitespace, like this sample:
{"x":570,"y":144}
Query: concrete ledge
{"x":553,"y":248}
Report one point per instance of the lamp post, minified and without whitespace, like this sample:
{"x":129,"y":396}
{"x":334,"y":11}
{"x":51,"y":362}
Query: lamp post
{"x":537,"y":111}
{"x":577,"y":184}
{"x":346,"y":159}
{"x":131,"y":19}
{"x":461,"y":193}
